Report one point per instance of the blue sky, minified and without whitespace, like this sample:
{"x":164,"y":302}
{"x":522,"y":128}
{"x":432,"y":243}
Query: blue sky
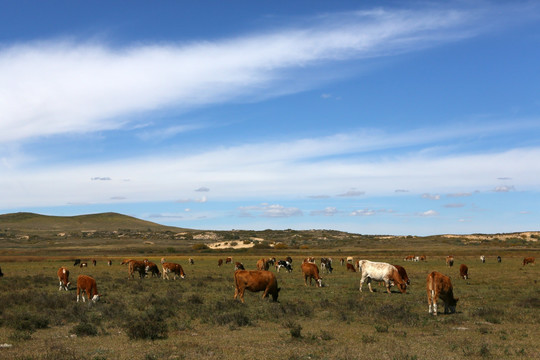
{"x":370,"y":117}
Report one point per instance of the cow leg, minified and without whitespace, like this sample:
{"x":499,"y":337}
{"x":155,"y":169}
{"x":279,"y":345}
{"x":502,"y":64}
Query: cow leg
{"x":369,"y":284}
{"x":60,"y":288}
{"x":235,"y":292}
{"x":361,"y":283}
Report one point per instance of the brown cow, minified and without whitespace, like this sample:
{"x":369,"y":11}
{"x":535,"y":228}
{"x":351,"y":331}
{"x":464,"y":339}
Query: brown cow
{"x":440,"y":286}
{"x":151,"y":268}
{"x":239,"y":266}
{"x":94,"y":262}
{"x":109,"y":262}
{"x":350,"y":267}
{"x":528,"y":260}
{"x":450,"y":260}
{"x":311,"y":271}
{"x":228,"y":260}
{"x":422,"y":257}
{"x":403,"y":274}
{"x":191,"y":262}
{"x":63,"y":278}
{"x":136,"y":265}
{"x":255,"y":281}
{"x":83,"y":264}
{"x":463,"y":271}
{"x":174,"y":268}
{"x":220,"y":262}
{"x":87,"y":284}
{"x":262,"y":264}
{"x":409,"y":258}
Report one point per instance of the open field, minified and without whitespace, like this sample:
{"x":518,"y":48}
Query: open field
{"x":497,"y":315}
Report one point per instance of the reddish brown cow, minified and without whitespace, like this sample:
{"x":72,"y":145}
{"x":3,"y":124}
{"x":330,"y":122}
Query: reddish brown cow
{"x":94,"y":262}
{"x":239,"y":266}
{"x":350,"y":267}
{"x":262,"y":264}
{"x":450,"y":260}
{"x":422,"y":257}
{"x":174,"y":268}
{"x":440,"y":286}
{"x":87,"y":284}
{"x":109,"y":262}
{"x":255,"y":281}
{"x":151,"y":268}
{"x":228,"y":260}
{"x":311,"y":271}
{"x":528,"y":260}
{"x":403,"y":273}
{"x":220,"y":262}
{"x":136,"y":265}
{"x":63,"y":278}
{"x":463,"y":271}
{"x":409,"y":258}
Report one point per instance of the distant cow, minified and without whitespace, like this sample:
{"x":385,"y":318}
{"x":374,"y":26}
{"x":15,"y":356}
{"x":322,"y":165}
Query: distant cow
{"x":87,"y":284}
{"x":1,"y":274}
{"x":350,"y":267}
{"x":422,"y":257}
{"x":350,"y":259}
{"x":191,"y":262}
{"x":326,"y":264}
{"x":289,"y":259}
{"x":408,"y":258}
{"x":403,"y":273}
{"x":283,"y":264}
{"x":174,"y":268}
{"x":463,"y":271}
{"x":151,"y":268}
{"x":83,"y":264}
{"x":499,"y":259}
{"x":77,"y":262}
{"x":239,"y":266}
{"x":255,"y":281}
{"x":449,"y":260}
{"x":94,"y":262}
{"x":528,"y":260}
{"x":379,"y":271}
{"x":311,"y":271}
{"x":63,"y":278}
{"x":440,"y":286}
{"x":109,"y":262}
{"x":262,"y":264}
{"x":228,"y":260}
{"x":482,"y":258}
{"x":342,"y":261}
{"x":219,"y":262}
{"x":138,"y":266}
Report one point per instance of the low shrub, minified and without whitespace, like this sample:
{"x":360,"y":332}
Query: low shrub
{"x":84,"y":329}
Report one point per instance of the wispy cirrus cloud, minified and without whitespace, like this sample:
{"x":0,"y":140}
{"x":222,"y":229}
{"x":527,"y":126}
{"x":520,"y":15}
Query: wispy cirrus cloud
{"x":60,"y":86}
{"x":270,"y":211}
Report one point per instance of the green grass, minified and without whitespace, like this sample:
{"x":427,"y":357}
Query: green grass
{"x":497,"y":314}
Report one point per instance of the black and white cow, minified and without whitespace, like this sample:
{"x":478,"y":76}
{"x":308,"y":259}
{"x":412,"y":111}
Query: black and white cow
{"x":326,"y":264}
{"x":77,"y":262}
{"x":283,"y":264}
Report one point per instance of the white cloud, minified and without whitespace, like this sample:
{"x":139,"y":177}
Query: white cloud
{"x":463,"y":194}
{"x":202,"y":199}
{"x":328,"y":211}
{"x":202,"y":189}
{"x":352,"y":193}
{"x":363,"y":212}
{"x":454,"y":205}
{"x":429,"y":213}
{"x":431,"y":196}
{"x":504,"y":188}
{"x":270,"y":210}
{"x":62,"y":86}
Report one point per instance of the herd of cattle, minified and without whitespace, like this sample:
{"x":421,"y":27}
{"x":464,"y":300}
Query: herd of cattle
{"x":438,"y":285}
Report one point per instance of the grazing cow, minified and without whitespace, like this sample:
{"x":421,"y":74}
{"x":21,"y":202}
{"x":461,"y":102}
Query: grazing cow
{"x":350,"y":259}
{"x":255,"y":281}
{"x":463,"y":271}
{"x":63,"y":278}
{"x":409,"y":258}
{"x":228,"y":260}
{"x":125,"y":261}
{"x":163,"y":260}
{"x":350,"y":267}
{"x":109,"y":262}
{"x":83,"y":264}
{"x":94,"y":262}
{"x":151,"y":268}
{"x":450,"y":260}
{"x":417,"y":258}
{"x":239,"y":266}
{"x":482,"y":258}
{"x":262,"y":264}
{"x":87,"y":284}
{"x":342,"y":261}
{"x":440,"y":286}
{"x":136,"y":265}
{"x":219,"y":262}
{"x":283,"y":264}
{"x":499,"y":259}
{"x":422,"y":257}
{"x":326,"y":264}
{"x":77,"y":262}
{"x":271,"y":261}
{"x":379,"y":271}
{"x":174,"y":268}
{"x":528,"y":260}
{"x":311,"y":271}
{"x":1,"y":274}
{"x":403,"y":273}
{"x":191,"y":262}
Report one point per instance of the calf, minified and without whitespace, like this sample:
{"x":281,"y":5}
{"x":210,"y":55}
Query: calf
{"x":311,"y":271}
{"x":255,"y":281}
{"x":63,"y":278}
{"x":449,"y":260}
{"x":87,"y":284}
{"x":528,"y":260}
{"x":283,"y":264}
{"x":326,"y":264}
{"x":403,"y":273}
{"x":174,"y":268}
{"x":463,"y":271}
{"x":239,"y":266}
{"x":482,"y":259}
{"x":440,"y":286}
{"x":350,"y":267}
{"x":378,"y":271}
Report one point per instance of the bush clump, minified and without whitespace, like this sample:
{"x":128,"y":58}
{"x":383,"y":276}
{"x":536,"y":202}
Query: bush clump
{"x":84,"y":329}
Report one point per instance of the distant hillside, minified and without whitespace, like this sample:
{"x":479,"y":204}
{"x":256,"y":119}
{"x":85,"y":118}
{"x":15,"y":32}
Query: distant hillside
{"x":31,"y":222}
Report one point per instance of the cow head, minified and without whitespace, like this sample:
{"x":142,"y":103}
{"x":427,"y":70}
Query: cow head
{"x":450,"y":306}
{"x":96,"y":297}
{"x":319,"y":282}
{"x":275,"y":294}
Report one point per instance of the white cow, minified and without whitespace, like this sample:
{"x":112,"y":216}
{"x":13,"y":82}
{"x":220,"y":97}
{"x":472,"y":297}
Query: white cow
{"x":379,"y":271}
{"x":482,"y":258}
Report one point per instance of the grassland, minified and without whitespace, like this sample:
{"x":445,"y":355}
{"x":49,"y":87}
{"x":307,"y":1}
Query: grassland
{"x":196,"y":318}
